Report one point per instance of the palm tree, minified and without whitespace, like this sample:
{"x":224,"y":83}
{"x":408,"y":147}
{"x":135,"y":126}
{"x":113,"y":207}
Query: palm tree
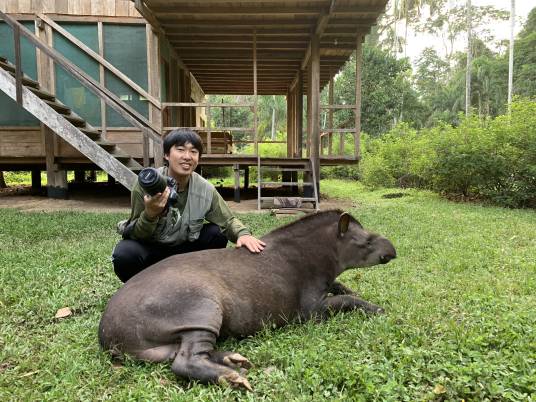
{"x":511,"y":56}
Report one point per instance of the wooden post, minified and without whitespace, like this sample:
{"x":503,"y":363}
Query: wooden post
{"x":153,"y":71}
{"x":79,"y":176}
{"x":358,"y":74}
{"x":236,"y":169}
{"x":18,"y":64}
{"x":289,"y":123}
{"x":209,"y":132}
{"x":255,"y":102}
{"x":246,"y":177}
{"x":299,"y":114}
{"x":309,"y":106}
{"x":56,"y":178}
{"x":36,"y":181}
{"x":315,"y":106}
{"x":104,"y":128}
{"x":330,"y":116}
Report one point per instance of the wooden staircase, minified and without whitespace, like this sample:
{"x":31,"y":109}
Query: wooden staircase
{"x":70,"y":126}
{"x":307,"y":183}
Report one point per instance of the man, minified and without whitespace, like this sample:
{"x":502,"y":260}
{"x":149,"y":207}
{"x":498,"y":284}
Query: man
{"x":156,"y":231}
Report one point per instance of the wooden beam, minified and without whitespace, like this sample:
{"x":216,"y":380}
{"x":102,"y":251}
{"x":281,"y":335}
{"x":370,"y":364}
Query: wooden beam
{"x":285,"y":8}
{"x":148,"y":15}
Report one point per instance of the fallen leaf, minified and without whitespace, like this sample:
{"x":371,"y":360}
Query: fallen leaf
{"x":63,"y":312}
{"x":29,"y":374}
{"x":439,"y":389}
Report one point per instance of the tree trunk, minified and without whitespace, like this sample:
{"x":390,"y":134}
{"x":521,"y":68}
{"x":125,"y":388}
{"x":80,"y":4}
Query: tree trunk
{"x":2,"y":180}
{"x":469,"y":61}
{"x":511,"y":56}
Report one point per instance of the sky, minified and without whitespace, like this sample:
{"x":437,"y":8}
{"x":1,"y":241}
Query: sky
{"x":417,"y":42}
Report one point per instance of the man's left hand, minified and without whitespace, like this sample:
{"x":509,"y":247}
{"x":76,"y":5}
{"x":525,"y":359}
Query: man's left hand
{"x":251,"y":243}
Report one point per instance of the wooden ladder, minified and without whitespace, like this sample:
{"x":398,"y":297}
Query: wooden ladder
{"x":293,"y":203}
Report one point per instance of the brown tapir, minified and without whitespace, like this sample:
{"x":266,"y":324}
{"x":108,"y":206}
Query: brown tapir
{"x":175,"y":309}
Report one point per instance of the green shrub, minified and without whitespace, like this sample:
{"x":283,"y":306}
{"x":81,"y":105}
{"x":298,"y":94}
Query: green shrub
{"x":487,"y":159}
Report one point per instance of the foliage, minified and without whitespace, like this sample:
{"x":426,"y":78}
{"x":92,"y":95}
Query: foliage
{"x":492,"y":159}
{"x":459,"y":327}
{"x":387,"y":94}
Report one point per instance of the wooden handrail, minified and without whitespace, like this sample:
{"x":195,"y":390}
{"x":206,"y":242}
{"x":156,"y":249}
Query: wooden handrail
{"x":100,"y":59}
{"x":167,"y":128}
{"x":196,"y":104}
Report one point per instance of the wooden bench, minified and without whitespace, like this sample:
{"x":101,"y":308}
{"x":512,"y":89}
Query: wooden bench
{"x":221,"y":142}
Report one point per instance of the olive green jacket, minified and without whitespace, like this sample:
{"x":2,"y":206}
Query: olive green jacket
{"x":183,"y":222}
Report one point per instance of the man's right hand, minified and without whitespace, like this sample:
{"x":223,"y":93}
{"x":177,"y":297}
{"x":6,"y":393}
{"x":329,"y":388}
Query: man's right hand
{"x":156,"y":204}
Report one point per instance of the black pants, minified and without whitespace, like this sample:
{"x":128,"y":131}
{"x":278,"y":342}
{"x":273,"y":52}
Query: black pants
{"x":131,"y":256}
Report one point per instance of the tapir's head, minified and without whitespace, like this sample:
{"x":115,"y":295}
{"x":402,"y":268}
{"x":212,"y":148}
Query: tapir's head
{"x":358,"y":248}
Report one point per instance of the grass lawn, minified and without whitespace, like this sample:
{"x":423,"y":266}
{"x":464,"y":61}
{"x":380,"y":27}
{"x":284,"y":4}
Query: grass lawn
{"x":460,"y":321}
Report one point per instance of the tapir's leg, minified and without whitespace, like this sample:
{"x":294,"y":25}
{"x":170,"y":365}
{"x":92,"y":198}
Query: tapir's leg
{"x":194,"y":361}
{"x":347,"y":303}
{"x":338,"y":288}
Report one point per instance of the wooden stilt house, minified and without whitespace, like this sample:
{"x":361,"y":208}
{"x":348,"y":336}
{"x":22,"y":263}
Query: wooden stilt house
{"x":97,"y":84}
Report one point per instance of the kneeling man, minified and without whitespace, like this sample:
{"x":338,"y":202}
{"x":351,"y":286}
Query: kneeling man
{"x":156,"y":230}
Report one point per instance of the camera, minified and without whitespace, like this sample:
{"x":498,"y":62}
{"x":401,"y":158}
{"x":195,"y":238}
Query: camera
{"x":153,"y":182}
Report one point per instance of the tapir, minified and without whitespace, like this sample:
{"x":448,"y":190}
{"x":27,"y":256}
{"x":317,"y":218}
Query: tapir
{"x":176,"y":309}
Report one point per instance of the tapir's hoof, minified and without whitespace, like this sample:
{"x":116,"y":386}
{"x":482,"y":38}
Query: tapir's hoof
{"x":235,"y":380}
{"x":236,"y":360}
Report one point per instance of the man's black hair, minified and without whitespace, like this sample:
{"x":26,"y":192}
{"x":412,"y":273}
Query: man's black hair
{"x":180,"y":137}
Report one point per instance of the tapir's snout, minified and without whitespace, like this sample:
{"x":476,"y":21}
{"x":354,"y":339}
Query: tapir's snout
{"x":389,"y":252}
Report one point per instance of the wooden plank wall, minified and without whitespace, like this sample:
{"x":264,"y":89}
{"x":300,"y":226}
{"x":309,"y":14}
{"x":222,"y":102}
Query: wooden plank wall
{"x":108,"y":8}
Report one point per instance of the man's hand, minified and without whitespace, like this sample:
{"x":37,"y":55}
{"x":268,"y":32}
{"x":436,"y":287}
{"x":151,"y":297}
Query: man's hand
{"x":156,"y":204}
{"x":251,"y":243}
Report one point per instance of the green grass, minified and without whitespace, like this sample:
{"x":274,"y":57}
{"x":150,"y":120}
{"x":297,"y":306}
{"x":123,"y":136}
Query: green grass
{"x":460,"y":321}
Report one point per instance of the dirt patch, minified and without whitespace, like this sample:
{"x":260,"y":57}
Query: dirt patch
{"x":100,"y":197}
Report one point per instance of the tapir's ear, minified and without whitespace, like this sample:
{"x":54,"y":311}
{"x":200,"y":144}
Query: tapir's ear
{"x":344,"y":222}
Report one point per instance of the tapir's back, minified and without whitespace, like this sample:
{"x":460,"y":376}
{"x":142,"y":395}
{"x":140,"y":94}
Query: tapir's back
{"x":226,"y":291}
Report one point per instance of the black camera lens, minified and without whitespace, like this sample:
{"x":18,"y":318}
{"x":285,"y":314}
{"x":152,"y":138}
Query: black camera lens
{"x":152,"y":181}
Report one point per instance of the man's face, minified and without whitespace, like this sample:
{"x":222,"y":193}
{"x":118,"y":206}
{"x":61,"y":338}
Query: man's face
{"x":183,"y":159}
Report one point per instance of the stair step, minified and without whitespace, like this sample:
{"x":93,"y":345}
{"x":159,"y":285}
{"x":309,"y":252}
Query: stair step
{"x":58,"y":108}
{"x":306,"y":199}
{"x":27,"y":81}
{"x":43,"y":94}
{"x":107,"y":146}
{"x":93,"y":134}
{"x":132,"y":165}
{"x":287,"y":183}
{"x":7,"y":66}
{"x":75,"y":120}
{"x":120,"y":156}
